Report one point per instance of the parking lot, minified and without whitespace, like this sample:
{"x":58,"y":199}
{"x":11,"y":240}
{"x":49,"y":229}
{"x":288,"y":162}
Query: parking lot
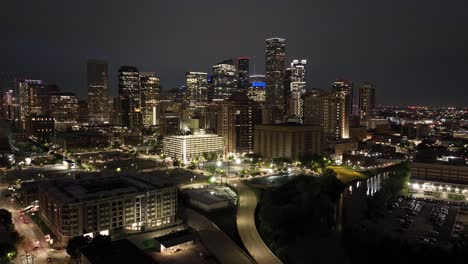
{"x":421,"y":221}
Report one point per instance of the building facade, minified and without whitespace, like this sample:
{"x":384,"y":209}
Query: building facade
{"x":129,"y":98}
{"x":275,"y":53}
{"x":237,"y":117}
{"x":150,"y":90}
{"x":26,"y":92}
{"x":287,"y":140}
{"x":98,"y":91}
{"x":257,"y":88}
{"x":243,"y":65}
{"x":297,"y":88}
{"x":225,"y":81}
{"x":64,"y":110}
{"x":105,"y":205}
{"x":366,"y":102}
{"x":188,"y":147}
{"x":197,"y":88}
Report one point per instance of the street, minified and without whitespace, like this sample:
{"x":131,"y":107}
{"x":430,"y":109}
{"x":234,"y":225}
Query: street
{"x":246,"y":227}
{"x":30,"y":233}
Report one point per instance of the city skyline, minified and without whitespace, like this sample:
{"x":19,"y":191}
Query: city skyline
{"x":396,"y":46}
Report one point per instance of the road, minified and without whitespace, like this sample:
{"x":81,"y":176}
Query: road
{"x":246,"y":227}
{"x":30,"y":234}
{"x":216,"y":241}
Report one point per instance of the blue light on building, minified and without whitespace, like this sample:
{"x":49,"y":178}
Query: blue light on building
{"x":258,"y":84}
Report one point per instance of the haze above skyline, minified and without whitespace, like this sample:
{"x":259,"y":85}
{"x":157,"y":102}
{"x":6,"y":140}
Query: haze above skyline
{"x":415,"y":51}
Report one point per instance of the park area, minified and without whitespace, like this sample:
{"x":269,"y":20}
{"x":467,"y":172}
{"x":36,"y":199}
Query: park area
{"x":345,"y":174}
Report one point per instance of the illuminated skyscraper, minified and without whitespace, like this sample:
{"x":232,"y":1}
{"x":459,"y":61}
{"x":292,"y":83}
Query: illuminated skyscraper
{"x":346,"y":90}
{"x":256,"y":90}
{"x":64,"y":110}
{"x":237,"y":117}
{"x":327,"y":110}
{"x":275,"y":73}
{"x":7,"y":105}
{"x":243,"y":74}
{"x":129,"y":97}
{"x":26,"y":93}
{"x":297,"y":88}
{"x":197,"y":88}
{"x":366,"y":102}
{"x":224,"y":80}
{"x":98,"y":91}
{"x":150,"y":90}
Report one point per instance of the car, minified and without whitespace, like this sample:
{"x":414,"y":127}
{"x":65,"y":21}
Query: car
{"x":35,"y":248}
{"x":49,"y":259}
{"x":26,"y":221}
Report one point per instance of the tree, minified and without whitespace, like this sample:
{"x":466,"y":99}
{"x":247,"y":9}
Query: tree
{"x":75,"y":245}
{"x":7,"y":253}
{"x":6,"y":220}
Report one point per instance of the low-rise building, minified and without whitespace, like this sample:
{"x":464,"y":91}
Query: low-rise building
{"x":440,"y":172}
{"x":105,"y":205}
{"x":189,"y":147}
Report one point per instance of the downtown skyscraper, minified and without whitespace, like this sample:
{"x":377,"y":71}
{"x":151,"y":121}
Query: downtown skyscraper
{"x":297,"y":88}
{"x":366,"y":102}
{"x":98,"y":91}
{"x":129,"y":98}
{"x":275,"y":53}
{"x":150,"y":91}
{"x":26,"y":93}
{"x":243,"y":74}
{"x":225,"y":81}
{"x":197,"y":88}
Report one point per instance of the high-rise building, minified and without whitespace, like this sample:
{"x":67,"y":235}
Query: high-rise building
{"x":7,"y":105}
{"x":224,"y":80}
{"x":335,"y":119}
{"x":170,"y":123}
{"x":197,"y":88}
{"x":366,"y":102}
{"x":256,"y":90}
{"x":327,"y":110}
{"x":64,"y":110}
{"x":346,"y":89}
{"x":98,"y":91}
{"x":243,"y":64}
{"x":275,"y":53}
{"x":297,"y":88}
{"x":236,"y":119}
{"x":129,"y":97}
{"x":150,"y":89}
{"x":26,"y":92}
{"x":312,"y":107}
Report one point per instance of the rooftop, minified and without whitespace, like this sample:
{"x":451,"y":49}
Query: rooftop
{"x":75,"y":191}
{"x":176,"y":238}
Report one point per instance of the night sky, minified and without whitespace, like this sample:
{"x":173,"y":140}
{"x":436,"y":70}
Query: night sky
{"x":416,"y":51}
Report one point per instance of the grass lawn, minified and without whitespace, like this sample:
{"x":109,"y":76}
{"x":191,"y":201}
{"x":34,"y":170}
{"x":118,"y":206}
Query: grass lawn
{"x":346,"y":174}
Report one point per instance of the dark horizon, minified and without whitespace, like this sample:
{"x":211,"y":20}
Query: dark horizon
{"x":415,"y":52}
